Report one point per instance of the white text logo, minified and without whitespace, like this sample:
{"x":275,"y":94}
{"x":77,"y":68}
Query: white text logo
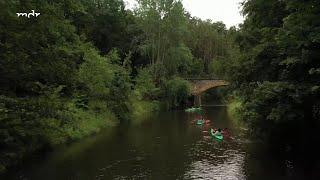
{"x":33,"y":13}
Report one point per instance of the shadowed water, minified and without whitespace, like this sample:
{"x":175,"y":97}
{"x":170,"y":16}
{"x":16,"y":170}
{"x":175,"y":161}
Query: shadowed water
{"x":167,"y":146}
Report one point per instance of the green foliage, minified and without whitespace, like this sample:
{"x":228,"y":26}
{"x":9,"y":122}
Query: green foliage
{"x":89,"y":121}
{"x":208,"y":41}
{"x":144,"y":98}
{"x":24,"y":120}
{"x":95,"y":74}
{"x":54,"y":86}
{"x":104,"y":23}
{"x":28,"y":124}
{"x":81,"y":102}
{"x":142,"y":110}
{"x":197,"y":68}
{"x":165,"y":26}
{"x":179,"y":61}
{"x":218,"y":67}
{"x":120,"y":88}
{"x":107,"y":79}
{"x":177,"y":91}
{"x":44,"y":50}
{"x":273,"y":105}
{"x":145,"y":87}
{"x":235,"y":109}
{"x":82,"y":64}
{"x":276,"y":73}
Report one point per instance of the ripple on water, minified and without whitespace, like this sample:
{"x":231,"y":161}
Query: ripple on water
{"x":212,"y":160}
{"x":205,"y":169}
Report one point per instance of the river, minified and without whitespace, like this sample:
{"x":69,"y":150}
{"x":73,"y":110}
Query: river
{"x":167,"y":146}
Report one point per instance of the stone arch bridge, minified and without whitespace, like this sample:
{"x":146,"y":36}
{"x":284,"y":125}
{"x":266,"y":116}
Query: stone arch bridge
{"x":200,"y":85}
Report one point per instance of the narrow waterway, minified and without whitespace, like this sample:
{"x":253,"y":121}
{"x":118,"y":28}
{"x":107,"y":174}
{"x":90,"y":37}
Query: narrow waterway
{"x":167,"y":146}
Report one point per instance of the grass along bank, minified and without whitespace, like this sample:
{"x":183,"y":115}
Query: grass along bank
{"x":234,"y":109}
{"x":26,"y":129}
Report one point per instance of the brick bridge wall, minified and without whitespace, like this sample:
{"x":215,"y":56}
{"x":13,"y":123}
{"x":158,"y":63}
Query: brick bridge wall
{"x":200,"y":86}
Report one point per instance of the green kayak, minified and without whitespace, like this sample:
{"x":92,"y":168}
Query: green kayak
{"x":219,"y":136}
{"x":194,"y":110}
{"x":200,"y":122}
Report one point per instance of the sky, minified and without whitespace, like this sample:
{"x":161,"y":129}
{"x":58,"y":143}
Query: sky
{"x":227,"y":11}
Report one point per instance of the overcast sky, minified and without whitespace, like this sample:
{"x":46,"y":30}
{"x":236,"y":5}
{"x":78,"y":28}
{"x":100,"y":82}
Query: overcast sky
{"x":227,"y":11}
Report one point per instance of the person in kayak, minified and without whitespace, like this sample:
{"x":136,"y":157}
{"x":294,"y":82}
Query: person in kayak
{"x":218,"y":132}
{"x":226,"y":133}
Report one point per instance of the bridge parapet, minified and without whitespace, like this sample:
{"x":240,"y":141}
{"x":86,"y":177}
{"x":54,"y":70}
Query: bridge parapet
{"x":200,"y":86}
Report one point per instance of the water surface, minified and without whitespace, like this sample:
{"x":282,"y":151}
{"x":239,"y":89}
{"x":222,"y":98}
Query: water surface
{"x":168,"y":146}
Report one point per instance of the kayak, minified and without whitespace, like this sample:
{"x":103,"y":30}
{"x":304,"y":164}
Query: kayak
{"x":200,"y":122}
{"x":219,"y":137}
{"x":193,"y":110}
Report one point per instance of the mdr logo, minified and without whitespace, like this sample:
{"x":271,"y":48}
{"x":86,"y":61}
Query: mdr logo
{"x":24,"y":14}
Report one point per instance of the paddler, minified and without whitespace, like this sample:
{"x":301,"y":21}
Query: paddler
{"x":218,"y":132}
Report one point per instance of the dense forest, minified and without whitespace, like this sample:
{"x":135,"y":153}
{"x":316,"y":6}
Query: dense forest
{"x":277,"y":73}
{"x":83,"y":65}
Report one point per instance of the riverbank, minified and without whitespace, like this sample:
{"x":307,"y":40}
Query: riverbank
{"x":70,"y":124}
{"x":28,"y":135}
{"x":234,"y":109}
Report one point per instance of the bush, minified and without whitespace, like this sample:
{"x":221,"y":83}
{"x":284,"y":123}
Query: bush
{"x":179,"y":60}
{"x":141,"y":110}
{"x":95,"y":74}
{"x":145,"y":88}
{"x":273,"y":107}
{"x":118,"y":100}
{"x":176,"y":92}
{"x":31,"y":123}
{"x":25,"y":121}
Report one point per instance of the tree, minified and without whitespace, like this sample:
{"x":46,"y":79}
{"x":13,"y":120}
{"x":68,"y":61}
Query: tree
{"x":208,"y":42}
{"x":164,"y":24}
{"x":277,"y":72}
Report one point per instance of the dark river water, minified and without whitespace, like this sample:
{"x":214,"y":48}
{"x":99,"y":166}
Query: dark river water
{"x":167,"y":146}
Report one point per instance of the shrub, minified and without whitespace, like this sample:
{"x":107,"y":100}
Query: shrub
{"x":177,"y":91}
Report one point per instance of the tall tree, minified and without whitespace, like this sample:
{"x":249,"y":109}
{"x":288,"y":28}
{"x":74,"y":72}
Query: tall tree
{"x":165,"y":26}
{"x":207,"y":40}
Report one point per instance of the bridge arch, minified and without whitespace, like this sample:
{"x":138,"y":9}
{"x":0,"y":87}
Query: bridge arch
{"x":199,"y":86}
